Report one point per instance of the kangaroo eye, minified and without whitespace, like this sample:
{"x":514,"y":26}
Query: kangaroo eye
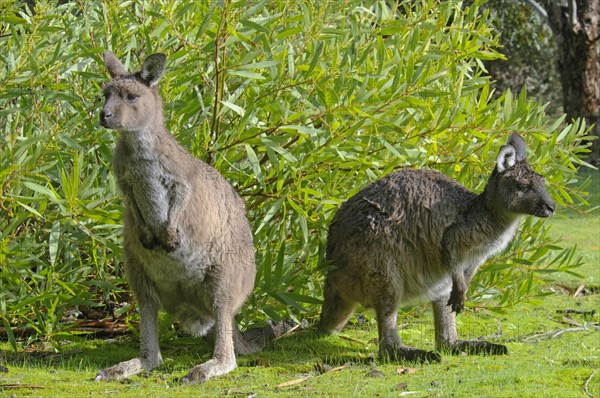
{"x":132,"y":97}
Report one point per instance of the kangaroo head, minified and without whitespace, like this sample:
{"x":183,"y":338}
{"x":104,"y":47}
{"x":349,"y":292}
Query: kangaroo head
{"x":514,"y":187}
{"x":132,"y":99}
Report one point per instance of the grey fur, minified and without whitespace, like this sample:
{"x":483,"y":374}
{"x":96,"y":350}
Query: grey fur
{"x":419,"y":235}
{"x":188,"y":244}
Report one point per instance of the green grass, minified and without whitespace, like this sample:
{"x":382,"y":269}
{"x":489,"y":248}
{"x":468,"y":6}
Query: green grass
{"x":583,"y":229}
{"x":557,"y":366}
{"x":541,"y":363}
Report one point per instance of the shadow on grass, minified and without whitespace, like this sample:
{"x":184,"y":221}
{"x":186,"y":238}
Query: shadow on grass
{"x":299,"y":351}
{"x":180,"y":354}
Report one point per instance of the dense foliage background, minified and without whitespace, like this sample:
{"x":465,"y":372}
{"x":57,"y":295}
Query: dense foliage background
{"x":299,"y":104}
{"x":530,"y":50}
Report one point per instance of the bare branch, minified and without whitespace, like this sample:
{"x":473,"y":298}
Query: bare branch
{"x":555,"y":333}
{"x":575,"y":25}
{"x":535,"y":6}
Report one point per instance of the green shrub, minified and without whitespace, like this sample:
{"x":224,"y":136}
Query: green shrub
{"x":299,"y":104}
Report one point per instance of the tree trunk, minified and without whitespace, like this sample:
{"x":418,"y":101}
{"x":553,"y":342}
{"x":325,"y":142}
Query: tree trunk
{"x":575,"y":24}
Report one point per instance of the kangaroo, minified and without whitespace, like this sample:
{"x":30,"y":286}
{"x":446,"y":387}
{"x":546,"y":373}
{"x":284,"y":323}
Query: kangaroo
{"x":187,"y":242}
{"x":419,"y":235}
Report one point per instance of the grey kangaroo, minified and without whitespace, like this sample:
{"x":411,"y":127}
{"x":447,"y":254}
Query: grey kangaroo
{"x":188,"y":245}
{"x":419,"y":235}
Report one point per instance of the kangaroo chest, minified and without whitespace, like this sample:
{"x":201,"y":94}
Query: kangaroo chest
{"x":484,"y":246}
{"x":146,"y":184}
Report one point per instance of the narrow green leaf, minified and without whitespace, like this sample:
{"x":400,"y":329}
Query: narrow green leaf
{"x":237,"y":109}
{"x":255,"y":164}
{"x":53,"y":242}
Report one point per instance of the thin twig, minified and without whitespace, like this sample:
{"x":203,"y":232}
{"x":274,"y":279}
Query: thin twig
{"x":18,"y":386}
{"x":292,"y":382}
{"x":288,"y":332}
{"x":588,"y":382}
{"x":575,"y":311}
{"x":219,"y":60}
{"x":341,"y":336}
{"x":555,"y":333}
{"x":579,"y":290}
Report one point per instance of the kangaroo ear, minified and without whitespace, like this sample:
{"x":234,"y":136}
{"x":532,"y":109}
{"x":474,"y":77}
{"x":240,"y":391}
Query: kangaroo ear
{"x":506,"y":158}
{"x":517,"y":142}
{"x":114,"y":66}
{"x":153,"y":68}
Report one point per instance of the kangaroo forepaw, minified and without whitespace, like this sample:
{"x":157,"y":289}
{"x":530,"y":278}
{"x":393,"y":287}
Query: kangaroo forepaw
{"x":457,"y":301}
{"x":149,"y":241}
{"x":171,"y":241}
{"x":478,"y":347}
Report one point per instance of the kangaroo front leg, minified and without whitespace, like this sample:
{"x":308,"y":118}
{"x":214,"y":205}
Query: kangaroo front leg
{"x":223,"y":360}
{"x":446,"y":336}
{"x":145,"y":235}
{"x":150,"y":356}
{"x":179,"y":195}
{"x":158,"y":208}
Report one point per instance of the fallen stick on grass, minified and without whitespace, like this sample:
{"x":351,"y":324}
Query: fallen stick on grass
{"x":588,"y":382}
{"x":17,"y":386}
{"x":555,"y":333}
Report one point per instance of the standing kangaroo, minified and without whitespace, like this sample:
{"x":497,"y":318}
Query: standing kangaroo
{"x":188,"y":244}
{"x":420,"y":235}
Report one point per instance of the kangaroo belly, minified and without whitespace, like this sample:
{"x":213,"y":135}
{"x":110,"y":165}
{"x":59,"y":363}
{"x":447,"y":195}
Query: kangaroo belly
{"x":178,"y":277}
{"x":387,"y":269}
{"x":425,"y":284}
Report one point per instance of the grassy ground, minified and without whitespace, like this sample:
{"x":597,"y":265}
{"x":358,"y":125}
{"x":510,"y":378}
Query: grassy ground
{"x":541,"y":363}
{"x":583,"y":230}
{"x":553,"y":353}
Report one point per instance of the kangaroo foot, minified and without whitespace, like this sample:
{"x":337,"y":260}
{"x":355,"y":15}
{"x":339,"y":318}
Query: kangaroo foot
{"x":408,"y":354}
{"x":477,"y":347}
{"x":255,"y":339}
{"x":210,"y":368}
{"x":120,"y":371}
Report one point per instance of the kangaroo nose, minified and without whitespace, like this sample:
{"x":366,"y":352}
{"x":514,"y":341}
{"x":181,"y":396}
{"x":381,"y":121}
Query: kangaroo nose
{"x":548,"y":209}
{"x":104,"y":116}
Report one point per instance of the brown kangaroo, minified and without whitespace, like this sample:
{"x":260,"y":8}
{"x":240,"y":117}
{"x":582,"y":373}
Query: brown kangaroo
{"x":188,"y":244}
{"x":417,"y":235}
